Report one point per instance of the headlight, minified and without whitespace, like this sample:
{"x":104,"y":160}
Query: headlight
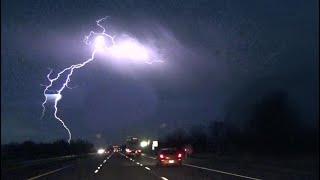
{"x":128,"y":150}
{"x":101,"y":151}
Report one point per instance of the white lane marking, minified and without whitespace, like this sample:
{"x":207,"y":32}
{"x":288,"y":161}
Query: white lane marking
{"x":147,"y":168}
{"x":141,"y":164}
{"x":47,"y":173}
{"x":96,"y":171}
{"x":223,"y":172}
{"x":104,"y":161}
{"x":137,"y":163}
{"x":100,"y":164}
{"x":149,"y":156}
{"x":164,"y":178}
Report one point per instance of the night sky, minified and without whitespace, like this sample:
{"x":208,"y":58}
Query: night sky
{"x":215,"y":52}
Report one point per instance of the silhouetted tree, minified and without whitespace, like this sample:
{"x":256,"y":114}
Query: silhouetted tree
{"x":198,"y":138}
{"x":274,"y":124}
{"x":218,"y":133}
{"x":31,"y":150}
{"x":177,"y":138}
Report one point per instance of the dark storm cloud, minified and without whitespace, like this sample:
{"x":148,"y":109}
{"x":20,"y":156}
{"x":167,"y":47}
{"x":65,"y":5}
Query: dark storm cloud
{"x":214,"y":50}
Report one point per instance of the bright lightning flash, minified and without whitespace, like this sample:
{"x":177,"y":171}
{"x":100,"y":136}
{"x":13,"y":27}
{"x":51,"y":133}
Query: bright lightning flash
{"x":124,"y":50}
{"x":99,"y":43}
{"x":129,"y":49}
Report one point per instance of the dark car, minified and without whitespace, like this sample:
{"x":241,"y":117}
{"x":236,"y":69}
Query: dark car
{"x":133,"y":152}
{"x":170,"y":156}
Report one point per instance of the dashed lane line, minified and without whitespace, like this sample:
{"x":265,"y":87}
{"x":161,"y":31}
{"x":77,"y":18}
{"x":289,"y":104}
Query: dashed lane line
{"x":104,"y":161}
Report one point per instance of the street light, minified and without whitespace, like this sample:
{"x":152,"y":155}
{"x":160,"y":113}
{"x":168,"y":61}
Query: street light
{"x":101,"y":151}
{"x":143,"y":144}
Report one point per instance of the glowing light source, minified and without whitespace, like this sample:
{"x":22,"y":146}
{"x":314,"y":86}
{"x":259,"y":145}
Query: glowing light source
{"x":128,"y":150}
{"x":130,"y":50}
{"x":99,"y":43}
{"x":58,"y":97}
{"x":101,"y":151}
{"x":143,"y":144}
{"x":53,"y":97}
{"x":154,"y":144}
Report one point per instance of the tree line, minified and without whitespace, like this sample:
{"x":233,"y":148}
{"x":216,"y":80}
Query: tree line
{"x":269,"y":126}
{"x":31,"y":150}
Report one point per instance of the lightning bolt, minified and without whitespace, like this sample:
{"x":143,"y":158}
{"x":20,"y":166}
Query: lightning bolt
{"x":69,"y":70}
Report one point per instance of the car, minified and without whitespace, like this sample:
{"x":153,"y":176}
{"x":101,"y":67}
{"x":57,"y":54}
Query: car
{"x":133,"y":152}
{"x":170,"y":156}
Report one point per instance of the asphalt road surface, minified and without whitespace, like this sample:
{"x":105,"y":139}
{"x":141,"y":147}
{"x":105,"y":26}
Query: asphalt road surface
{"x":118,"y":166}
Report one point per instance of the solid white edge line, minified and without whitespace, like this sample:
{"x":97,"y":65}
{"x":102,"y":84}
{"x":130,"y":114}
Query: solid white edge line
{"x":232,"y":174}
{"x":147,"y":168}
{"x":47,"y":173}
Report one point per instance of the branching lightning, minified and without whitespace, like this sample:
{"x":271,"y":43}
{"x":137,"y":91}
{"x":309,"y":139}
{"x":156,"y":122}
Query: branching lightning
{"x":99,"y":45}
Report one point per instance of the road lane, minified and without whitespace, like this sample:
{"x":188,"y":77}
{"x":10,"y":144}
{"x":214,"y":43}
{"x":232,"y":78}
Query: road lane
{"x":25,"y":172}
{"x":121,"y":168}
{"x":47,"y":173}
{"x":181,"y":172}
{"x":79,"y":169}
{"x":118,"y":166}
{"x":212,"y":168}
{"x":107,"y":167}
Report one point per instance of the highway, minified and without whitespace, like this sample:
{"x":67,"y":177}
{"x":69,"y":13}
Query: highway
{"x":119,"y":166}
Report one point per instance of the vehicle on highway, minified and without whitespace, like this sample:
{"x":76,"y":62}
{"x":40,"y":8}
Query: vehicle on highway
{"x":101,"y":151}
{"x":116,"y":149}
{"x":169,"y":156}
{"x":132,"y":147}
{"x":133,"y":152}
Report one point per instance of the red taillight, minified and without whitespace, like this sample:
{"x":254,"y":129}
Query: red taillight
{"x":161,"y":156}
{"x":179,"y":155}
